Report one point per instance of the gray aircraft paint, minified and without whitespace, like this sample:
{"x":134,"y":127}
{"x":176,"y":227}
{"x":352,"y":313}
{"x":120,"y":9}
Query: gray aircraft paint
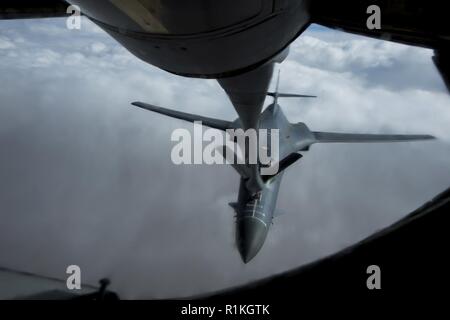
{"x":258,"y":194}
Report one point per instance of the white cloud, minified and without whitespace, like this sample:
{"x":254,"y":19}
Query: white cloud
{"x":5,"y":43}
{"x":98,"y":47}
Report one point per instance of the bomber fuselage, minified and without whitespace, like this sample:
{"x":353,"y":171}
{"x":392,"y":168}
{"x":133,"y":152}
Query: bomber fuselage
{"x":254,"y":215}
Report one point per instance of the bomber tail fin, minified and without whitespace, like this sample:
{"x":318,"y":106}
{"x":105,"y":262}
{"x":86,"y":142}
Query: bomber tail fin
{"x":276,"y":94}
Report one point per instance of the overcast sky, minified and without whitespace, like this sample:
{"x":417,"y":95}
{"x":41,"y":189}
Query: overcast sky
{"x":86,"y":179}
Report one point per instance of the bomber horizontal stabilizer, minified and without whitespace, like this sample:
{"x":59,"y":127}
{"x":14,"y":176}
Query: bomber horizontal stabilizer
{"x":289,"y":95}
{"x":209,"y":122}
{"x":330,"y":137}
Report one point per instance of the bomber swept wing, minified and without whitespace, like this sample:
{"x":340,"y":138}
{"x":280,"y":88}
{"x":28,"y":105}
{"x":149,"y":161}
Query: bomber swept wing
{"x":293,"y":138}
{"x":190,"y":117}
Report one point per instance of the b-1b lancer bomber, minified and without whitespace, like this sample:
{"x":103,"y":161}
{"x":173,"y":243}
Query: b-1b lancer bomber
{"x":255,"y":210}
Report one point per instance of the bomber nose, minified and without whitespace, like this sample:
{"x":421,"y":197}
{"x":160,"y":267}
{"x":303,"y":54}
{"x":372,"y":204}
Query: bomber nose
{"x":251,"y":234}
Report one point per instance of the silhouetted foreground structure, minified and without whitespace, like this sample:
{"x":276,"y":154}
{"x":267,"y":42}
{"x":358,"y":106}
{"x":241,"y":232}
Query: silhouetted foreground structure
{"x":20,"y":285}
{"x":412,"y":255}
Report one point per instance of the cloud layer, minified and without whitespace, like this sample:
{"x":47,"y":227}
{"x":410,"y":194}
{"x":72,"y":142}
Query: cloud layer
{"x":86,"y":178}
